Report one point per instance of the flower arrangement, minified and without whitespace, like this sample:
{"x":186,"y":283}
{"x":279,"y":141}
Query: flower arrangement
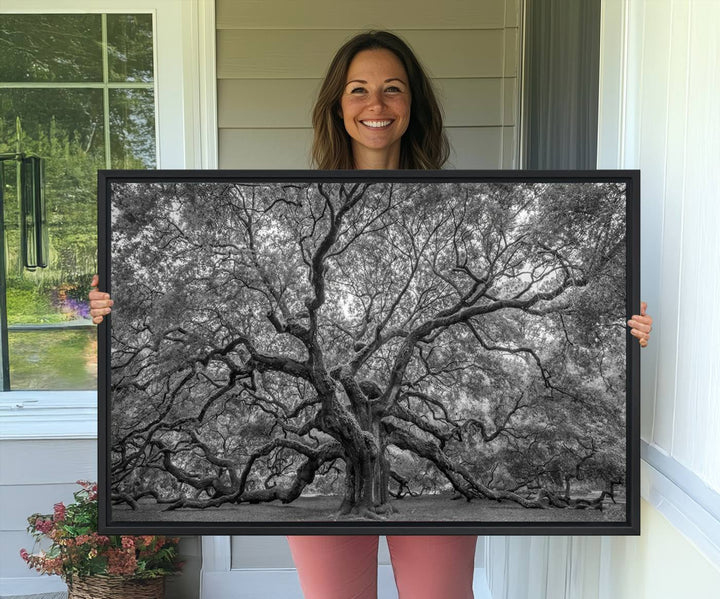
{"x":78,"y":551}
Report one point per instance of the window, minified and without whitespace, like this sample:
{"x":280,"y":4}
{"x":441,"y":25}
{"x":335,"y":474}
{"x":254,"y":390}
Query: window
{"x":78,"y":91}
{"x":186,"y":126}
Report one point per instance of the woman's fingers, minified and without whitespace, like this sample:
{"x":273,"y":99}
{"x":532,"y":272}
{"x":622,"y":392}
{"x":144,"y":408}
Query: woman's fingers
{"x":98,"y":299}
{"x":100,"y":302}
{"x":641,"y":325}
{"x":642,"y":335}
{"x":639,"y":334}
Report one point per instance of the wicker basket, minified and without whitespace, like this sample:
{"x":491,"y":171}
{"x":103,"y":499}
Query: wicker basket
{"x":116,"y":587}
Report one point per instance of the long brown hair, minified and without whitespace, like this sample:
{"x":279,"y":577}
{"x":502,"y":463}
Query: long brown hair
{"x":424,"y":144}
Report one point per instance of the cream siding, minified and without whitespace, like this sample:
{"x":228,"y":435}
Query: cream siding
{"x":34,"y":475}
{"x":271,"y":58}
{"x":333,"y":14}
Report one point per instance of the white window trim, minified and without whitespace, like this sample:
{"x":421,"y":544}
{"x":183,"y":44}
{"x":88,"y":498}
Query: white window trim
{"x":186,"y":126}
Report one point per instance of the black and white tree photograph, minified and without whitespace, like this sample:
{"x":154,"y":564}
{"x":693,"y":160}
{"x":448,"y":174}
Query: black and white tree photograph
{"x":367,"y":352}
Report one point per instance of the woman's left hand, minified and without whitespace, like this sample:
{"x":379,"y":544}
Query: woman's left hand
{"x":641,"y":325}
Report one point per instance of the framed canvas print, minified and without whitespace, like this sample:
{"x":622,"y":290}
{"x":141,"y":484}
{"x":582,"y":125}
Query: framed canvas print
{"x":395,"y":352}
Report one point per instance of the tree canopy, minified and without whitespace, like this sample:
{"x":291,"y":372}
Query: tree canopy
{"x":367,"y":341}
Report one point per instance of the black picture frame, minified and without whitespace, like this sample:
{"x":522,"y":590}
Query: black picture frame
{"x":126,"y":199}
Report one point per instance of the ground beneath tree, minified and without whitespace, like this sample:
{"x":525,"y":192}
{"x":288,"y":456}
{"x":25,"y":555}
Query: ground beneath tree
{"x":428,"y":508}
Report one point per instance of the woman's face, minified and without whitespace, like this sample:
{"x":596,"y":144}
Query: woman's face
{"x":375,"y":107}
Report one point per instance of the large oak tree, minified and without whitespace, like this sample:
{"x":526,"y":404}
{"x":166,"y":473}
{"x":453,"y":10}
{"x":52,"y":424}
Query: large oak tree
{"x":369,"y":341}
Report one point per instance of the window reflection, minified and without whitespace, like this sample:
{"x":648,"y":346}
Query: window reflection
{"x":62,"y":48}
{"x":56,"y":100}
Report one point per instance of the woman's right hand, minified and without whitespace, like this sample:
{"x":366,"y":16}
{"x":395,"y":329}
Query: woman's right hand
{"x":100,"y":302}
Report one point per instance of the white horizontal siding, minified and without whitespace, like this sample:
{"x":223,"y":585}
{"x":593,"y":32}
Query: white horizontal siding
{"x":264,"y":148}
{"x":270,"y":54}
{"x":471,"y":147}
{"x":34,"y":475}
{"x":271,"y":58}
{"x":342,"y":14}
{"x":47,"y":461}
{"x":476,"y":147}
{"x":288,"y":103}
{"x":19,"y":501}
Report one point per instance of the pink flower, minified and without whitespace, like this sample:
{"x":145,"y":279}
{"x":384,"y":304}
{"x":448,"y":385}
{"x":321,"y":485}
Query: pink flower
{"x":128,"y":542}
{"x":121,"y":562}
{"x":70,"y":553}
{"x":43,"y":526}
{"x":53,"y":565}
{"x":145,"y":540}
{"x":89,"y":488}
{"x":59,"y":512}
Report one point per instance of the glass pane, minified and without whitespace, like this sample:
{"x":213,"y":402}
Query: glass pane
{"x":65,"y":127}
{"x":50,"y":48}
{"x":132,"y":128}
{"x":130,"y":47}
{"x":53,"y":121}
{"x":53,"y":359}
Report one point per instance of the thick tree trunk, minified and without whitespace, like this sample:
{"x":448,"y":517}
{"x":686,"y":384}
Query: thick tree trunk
{"x":367,"y":472}
{"x":367,"y":479}
{"x":350,"y":482}
{"x":360,"y":494}
{"x":366,"y":483}
{"x":381,"y":474}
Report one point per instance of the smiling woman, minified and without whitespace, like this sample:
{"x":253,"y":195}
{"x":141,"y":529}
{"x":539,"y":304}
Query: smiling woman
{"x":375,"y":108}
{"x":375,"y":78}
{"x":377,"y":132}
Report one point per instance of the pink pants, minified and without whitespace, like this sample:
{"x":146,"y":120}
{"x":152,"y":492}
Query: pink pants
{"x":336,"y":567}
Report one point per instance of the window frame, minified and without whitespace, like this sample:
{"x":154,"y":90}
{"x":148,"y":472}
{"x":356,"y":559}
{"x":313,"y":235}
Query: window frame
{"x":184,"y":33}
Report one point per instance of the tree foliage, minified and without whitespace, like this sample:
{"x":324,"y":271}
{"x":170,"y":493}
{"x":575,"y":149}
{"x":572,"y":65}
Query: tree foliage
{"x":367,"y":340}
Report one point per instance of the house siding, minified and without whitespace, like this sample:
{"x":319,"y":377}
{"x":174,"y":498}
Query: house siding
{"x":271,"y":58}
